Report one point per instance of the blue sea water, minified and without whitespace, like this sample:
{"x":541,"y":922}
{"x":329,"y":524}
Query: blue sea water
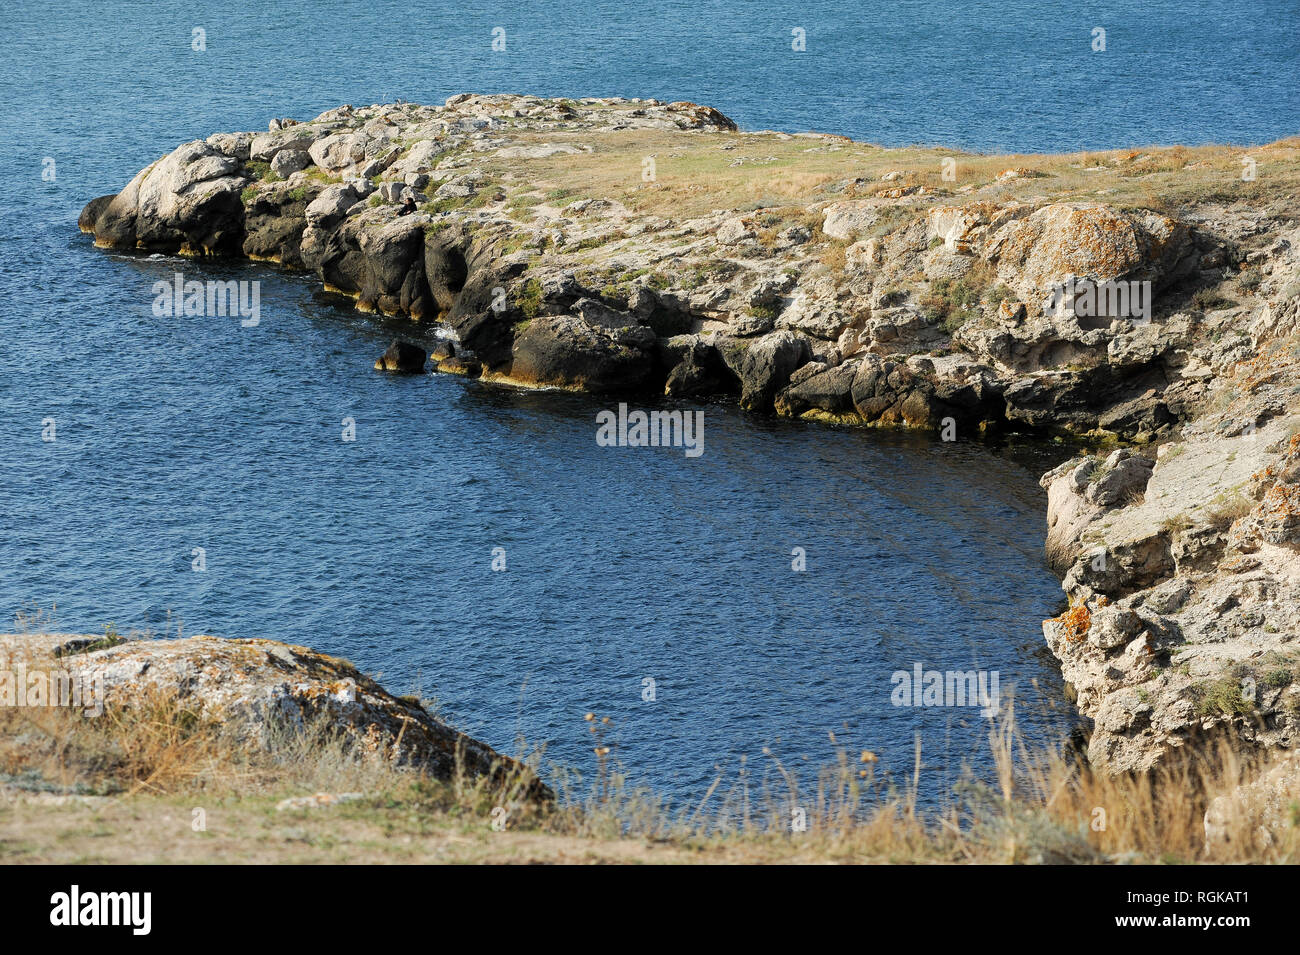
{"x":622,"y":565}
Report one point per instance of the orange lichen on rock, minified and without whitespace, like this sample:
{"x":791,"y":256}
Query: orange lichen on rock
{"x":1282,"y":500}
{"x":1076,"y":240}
{"x":1075,"y":622}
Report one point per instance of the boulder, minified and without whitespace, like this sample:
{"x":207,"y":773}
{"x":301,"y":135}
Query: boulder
{"x":687,"y":115}
{"x":331,"y":205}
{"x":825,"y":389}
{"x":459,"y":365}
{"x":395,"y":192}
{"x":851,"y":218}
{"x":889,"y":393}
{"x":1123,"y":476}
{"x":864,"y":254}
{"x":419,"y":159}
{"x":340,"y":152}
{"x":265,"y":146}
{"x":89,"y":218}
{"x":696,"y":368}
{"x":188,"y":202}
{"x":289,"y":161}
{"x":734,"y":231}
{"x":379,"y":156}
{"x":402,"y":357}
{"x":114,"y":220}
{"x":568,"y":352}
{"x":764,"y":365}
{"x":235,"y":145}
{"x":1060,"y":241}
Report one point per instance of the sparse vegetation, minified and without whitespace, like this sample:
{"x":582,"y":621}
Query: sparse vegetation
{"x":1228,"y":507}
{"x":1209,"y":299}
{"x":1223,"y":697}
{"x":701,"y":177}
{"x":998,"y":294}
{"x":157,"y":757}
{"x":529,"y":298}
{"x":953,"y":302}
{"x":892,"y":218}
{"x":834,"y":255}
{"x":262,"y":170}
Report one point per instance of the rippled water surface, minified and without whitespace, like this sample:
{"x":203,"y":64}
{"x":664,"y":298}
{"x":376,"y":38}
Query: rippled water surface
{"x":622,"y":564}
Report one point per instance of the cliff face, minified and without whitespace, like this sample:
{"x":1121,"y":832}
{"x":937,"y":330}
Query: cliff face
{"x":631,"y":246}
{"x":1182,"y":563}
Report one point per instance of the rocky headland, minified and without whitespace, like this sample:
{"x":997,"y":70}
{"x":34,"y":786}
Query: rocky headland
{"x":652,"y":249}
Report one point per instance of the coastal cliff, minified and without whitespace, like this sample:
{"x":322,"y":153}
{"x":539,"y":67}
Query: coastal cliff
{"x":644,"y":248}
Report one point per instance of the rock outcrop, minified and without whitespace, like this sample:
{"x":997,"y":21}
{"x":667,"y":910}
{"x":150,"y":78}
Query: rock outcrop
{"x":257,"y":687}
{"x":401,"y":357}
{"x":940,"y":306}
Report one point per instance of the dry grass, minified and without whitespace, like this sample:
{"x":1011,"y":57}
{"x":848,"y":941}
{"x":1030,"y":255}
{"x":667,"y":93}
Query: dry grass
{"x":1228,"y":507}
{"x":1045,"y":806}
{"x":160,"y":746}
{"x":704,"y":171}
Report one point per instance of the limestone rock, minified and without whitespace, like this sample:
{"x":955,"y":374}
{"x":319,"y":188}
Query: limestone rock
{"x":696,"y":368}
{"x":289,"y":161}
{"x":1064,"y":240}
{"x":828,"y":390}
{"x":333,"y":203}
{"x":1260,"y":813}
{"x":764,"y":365}
{"x":338,"y":153}
{"x":257,"y":686}
{"x":852,"y":218}
{"x":733,"y":231}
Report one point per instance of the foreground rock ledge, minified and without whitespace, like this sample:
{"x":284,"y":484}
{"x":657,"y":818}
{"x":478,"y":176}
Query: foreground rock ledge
{"x":255,"y":687}
{"x":619,"y":245}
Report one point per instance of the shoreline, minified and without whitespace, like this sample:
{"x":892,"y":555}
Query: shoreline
{"x":631,"y":247}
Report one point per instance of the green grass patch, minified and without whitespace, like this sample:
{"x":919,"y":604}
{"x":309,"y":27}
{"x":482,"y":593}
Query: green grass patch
{"x":529,"y":299}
